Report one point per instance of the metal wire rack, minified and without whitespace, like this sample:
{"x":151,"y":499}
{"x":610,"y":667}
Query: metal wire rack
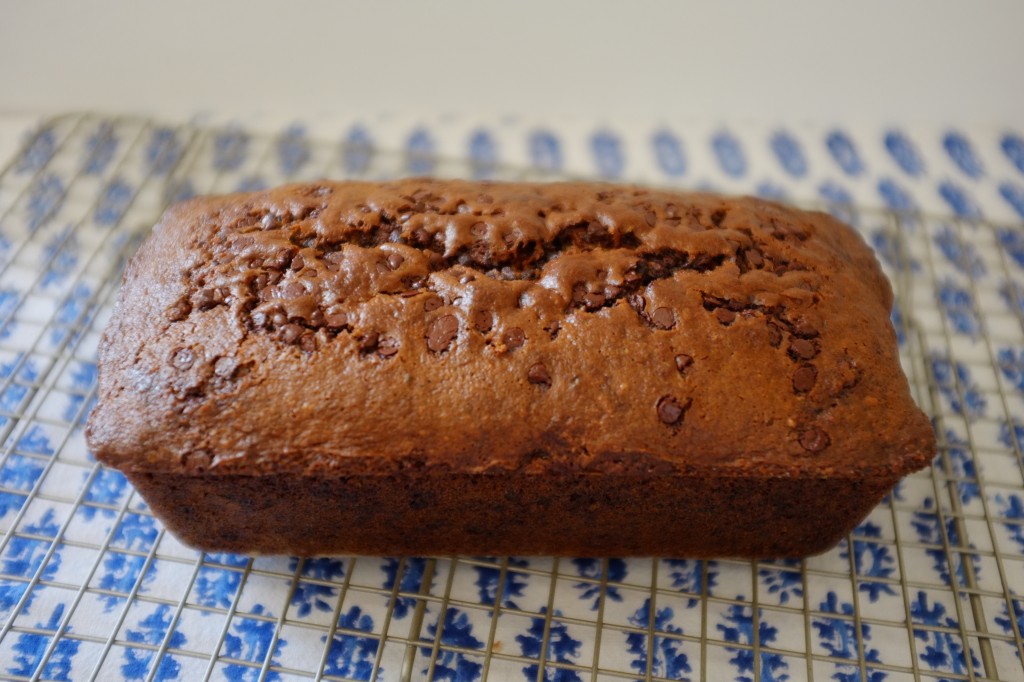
{"x":91,"y":587}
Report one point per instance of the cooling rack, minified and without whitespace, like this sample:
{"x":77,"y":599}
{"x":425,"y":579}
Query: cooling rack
{"x":930,"y":586}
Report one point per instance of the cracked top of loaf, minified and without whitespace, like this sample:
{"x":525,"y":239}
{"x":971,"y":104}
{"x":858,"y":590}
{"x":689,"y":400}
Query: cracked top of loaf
{"x":419,"y":325}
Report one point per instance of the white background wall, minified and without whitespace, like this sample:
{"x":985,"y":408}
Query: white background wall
{"x":919,"y":60}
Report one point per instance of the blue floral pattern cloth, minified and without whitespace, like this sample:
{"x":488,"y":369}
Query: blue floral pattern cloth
{"x":930,"y":585}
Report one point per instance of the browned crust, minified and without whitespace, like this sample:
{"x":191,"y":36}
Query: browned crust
{"x":423,"y":328}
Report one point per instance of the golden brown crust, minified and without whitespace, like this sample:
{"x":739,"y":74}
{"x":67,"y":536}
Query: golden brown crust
{"x":337,"y":328}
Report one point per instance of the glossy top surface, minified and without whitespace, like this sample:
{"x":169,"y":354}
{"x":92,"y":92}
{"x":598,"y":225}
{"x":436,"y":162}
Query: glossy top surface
{"x":345,"y":327}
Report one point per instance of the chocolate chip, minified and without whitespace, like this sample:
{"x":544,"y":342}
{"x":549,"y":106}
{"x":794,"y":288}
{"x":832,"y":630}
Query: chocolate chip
{"x":636,"y":302}
{"x":538,"y":374}
{"x":725,"y":316}
{"x":670,"y":410}
{"x":178,"y":310}
{"x":804,"y":378}
{"x":802,"y":349}
{"x":225,"y":367}
{"x":290,"y":333}
{"x":552,"y":329}
{"x":280,"y":259}
{"x":436,"y":260}
{"x":663,"y":318}
{"x":420,"y":237}
{"x":268,"y":221}
{"x":774,"y":335}
{"x":683,"y":362}
{"x":593,"y":300}
{"x":483,"y":321}
{"x":395,"y":260}
{"x":651,"y":217}
{"x":335,"y":318}
{"x":442,"y":332}
{"x":307,"y":342}
{"x":294,"y":290}
{"x":298,"y":263}
{"x":182,"y":358}
{"x":814,"y":440}
{"x":206,"y":299}
{"x":432,"y":303}
{"x":387,"y":347}
{"x":260,"y":281}
{"x":803,"y":328}
{"x":332,"y":261}
{"x":278,"y":318}
{"x":368,"y":342}
{"x":478,"y":229}
{"x":579,"y":290}
{"x":514,"y":338}
{"x":316,"y":318}
{"x":612,"y":291}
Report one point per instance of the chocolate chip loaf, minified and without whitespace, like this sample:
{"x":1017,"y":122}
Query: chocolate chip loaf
{"x":435,"y":367}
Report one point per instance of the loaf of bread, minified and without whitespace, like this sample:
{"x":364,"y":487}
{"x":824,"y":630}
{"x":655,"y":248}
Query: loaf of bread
{"x":436,"y":367}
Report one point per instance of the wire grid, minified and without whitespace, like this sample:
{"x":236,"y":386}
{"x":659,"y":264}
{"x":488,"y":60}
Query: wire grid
{"x":927,"y":588}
